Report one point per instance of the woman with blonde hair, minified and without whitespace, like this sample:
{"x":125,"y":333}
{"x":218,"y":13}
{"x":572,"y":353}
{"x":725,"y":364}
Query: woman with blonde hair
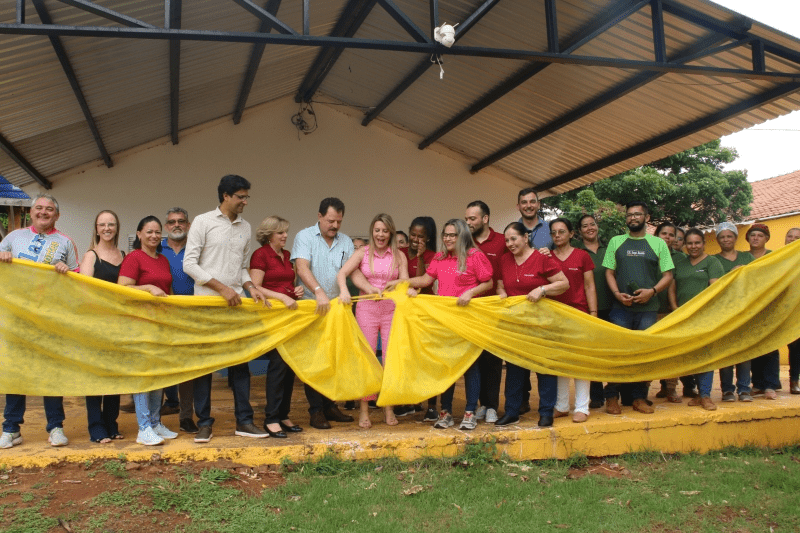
{"x":102,"y":261}
{"x":271,"y":270}
{"x":371,"y":268}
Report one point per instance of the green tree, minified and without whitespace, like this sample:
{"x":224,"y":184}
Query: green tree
{"x":688,"y":189}
{"x":610,"y":217}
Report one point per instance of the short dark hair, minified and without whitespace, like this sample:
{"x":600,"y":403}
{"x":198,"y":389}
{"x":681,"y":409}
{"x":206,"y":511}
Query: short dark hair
{"x":564,"y":221}
{"x":666,"y":225}
{"x":695,"y":231}
{"x":638,"y":203}
{"x":480,"y":204}
{"x":526,"y":191}
{"x":587,"y":215}
{"x":327,"y":203}
{"x":430,"y":229}
{"x":230,"y":184}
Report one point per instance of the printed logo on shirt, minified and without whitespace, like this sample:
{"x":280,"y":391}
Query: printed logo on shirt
{"x":51,"y":251}
{"x":635,"y":253}
{"x":528,"y":275}
{"x":573,"y":268}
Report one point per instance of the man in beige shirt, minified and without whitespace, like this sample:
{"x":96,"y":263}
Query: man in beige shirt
{"x":217,"y":258}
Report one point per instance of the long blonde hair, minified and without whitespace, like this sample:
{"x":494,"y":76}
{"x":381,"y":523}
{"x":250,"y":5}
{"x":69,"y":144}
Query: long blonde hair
{"x":96,"y":236}
{"x":389,"y":223}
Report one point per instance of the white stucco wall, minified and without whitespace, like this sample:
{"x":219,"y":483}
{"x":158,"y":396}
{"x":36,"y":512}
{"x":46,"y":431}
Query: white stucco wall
{"x":370,"y":169}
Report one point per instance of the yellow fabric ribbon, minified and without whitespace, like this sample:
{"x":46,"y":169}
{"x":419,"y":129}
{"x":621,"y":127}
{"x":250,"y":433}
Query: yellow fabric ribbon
{"x":75,"y":335}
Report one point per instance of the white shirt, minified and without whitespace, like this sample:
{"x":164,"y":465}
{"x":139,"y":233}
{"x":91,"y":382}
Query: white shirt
{"x":217,"y":248}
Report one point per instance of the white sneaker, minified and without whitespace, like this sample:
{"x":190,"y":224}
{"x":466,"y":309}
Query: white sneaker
{"x":480,"y":413}
{"x":445,"y":421}
{"x":148,"y":437}
{"x":468,"y":422}
{"x":57,"y":437}
{"x":7,"y":440}
{"x":491,"y":416}
{"x":162,"y":431}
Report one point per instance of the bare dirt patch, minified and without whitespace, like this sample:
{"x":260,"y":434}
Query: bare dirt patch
{"x":115,"y":495}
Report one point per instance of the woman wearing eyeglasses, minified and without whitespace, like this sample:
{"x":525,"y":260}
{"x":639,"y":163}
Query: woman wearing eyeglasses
{"x":462,"y":271}
{"x":102,"y":261}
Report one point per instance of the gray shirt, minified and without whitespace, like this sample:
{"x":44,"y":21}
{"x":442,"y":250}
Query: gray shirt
{"x":325,"y":261}
{"x":540,"y":234}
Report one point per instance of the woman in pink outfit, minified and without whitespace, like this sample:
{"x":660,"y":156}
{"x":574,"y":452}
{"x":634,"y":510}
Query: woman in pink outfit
{"x":379,"y":262}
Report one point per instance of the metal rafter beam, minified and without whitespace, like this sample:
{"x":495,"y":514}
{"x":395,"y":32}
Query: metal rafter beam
{"x":759,"y":61}
{"x":14,"y":154}
{"x":353,"y":15}
{"x":252,"y":66}
{"x":691,"y":128}
{"x":659,"y":36}
{"x":172,"y":20}
{"x":551,"y":21}
{"x":434,"y":18}
{"x":266,"y":16}
{"x":613,"y":15}
{"x":20,"y":12}
{"x":61,"y":53}
{"x":425,"y":64}
{"x":109,"y":14}
{"x":691,"y":53}
{"x":407,"y":24}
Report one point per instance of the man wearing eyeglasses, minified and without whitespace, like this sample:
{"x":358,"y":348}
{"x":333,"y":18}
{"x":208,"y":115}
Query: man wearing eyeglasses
{"x":42,"y":243}
{"x":217,"y":257}
{"x":179,"y":398}
{"x":639,"y":267}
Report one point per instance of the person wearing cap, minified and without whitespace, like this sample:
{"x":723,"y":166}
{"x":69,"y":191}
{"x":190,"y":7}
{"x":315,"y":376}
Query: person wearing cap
{"x":766,"y":368}
{"x":794,"y":347}
{"x":731,"y":259}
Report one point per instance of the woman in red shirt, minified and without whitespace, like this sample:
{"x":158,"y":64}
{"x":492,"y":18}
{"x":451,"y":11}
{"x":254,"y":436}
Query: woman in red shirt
{"x":578,"y":267}
{"x":527,"y":272}
{"x":462,"y":271}
{"x":271,"y":270}
{"x":147,"y":270}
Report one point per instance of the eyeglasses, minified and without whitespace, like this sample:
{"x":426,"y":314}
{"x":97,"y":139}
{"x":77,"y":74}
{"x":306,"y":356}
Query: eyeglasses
{"x":559,"y":232}
{"x":242,"y":196}
{"x":449,"y":235}
{"x":634,"y":215}
{"x":180,"y":221}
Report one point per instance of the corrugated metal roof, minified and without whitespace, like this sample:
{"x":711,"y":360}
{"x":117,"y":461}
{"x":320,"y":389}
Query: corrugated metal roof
{"x":126,"y":83}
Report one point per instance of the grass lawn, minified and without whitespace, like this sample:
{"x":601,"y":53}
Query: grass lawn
{"x":735,"y":490}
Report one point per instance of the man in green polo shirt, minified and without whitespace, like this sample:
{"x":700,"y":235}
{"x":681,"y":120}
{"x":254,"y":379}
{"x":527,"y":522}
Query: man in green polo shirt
{"x":639,"y":267}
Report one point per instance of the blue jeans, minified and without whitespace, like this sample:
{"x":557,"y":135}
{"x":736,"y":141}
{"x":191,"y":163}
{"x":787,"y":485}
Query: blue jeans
{"x":742,"y":378}
{"x":516,"y":382}
{"x":15,"y":412}
{"x":239,"y":380}
{"x":472,"y":386}
{"x":766,"y":371}
{"x":635,"y":321}
{"x":148,"y":408}
{"x":102,"y":413}
{"x":171,"y":396}
{"x":704,"y":382}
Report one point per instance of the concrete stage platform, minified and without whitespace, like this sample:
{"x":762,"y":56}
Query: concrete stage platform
{"x":672,"y":428}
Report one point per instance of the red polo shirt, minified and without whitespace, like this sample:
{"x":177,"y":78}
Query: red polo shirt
{"x":494,"y":247}
{"x":278,"y":271}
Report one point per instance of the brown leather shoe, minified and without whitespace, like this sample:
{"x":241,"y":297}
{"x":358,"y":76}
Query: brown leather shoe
{"x":333,"y":413}
{"x":559,"y":414}
{"x":707,"y":404}
{"x":612,"y":406}
{"x":319,"y":421}
{"x":642,"y":406}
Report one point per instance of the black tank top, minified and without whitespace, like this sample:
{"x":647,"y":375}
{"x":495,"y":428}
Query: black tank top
{"x":105,"y":270}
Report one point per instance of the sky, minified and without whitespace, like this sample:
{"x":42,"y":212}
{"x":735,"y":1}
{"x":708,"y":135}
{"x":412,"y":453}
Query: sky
{"x":768,"y":150}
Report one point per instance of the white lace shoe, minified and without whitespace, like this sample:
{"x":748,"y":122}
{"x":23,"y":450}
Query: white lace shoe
{"x":468,"y":422}
{"x":57,"y":437}
{"x":445,"y":421}
{"x":162,"y":431}
{"x":7,"y":440}
{"x":491,"y":416}
{"x":480,"y":413}
{"x":148,"y":437}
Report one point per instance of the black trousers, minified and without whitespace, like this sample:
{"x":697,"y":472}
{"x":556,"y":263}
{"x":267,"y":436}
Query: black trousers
{"x":491,"y":368}
{"x":280,"y":382}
